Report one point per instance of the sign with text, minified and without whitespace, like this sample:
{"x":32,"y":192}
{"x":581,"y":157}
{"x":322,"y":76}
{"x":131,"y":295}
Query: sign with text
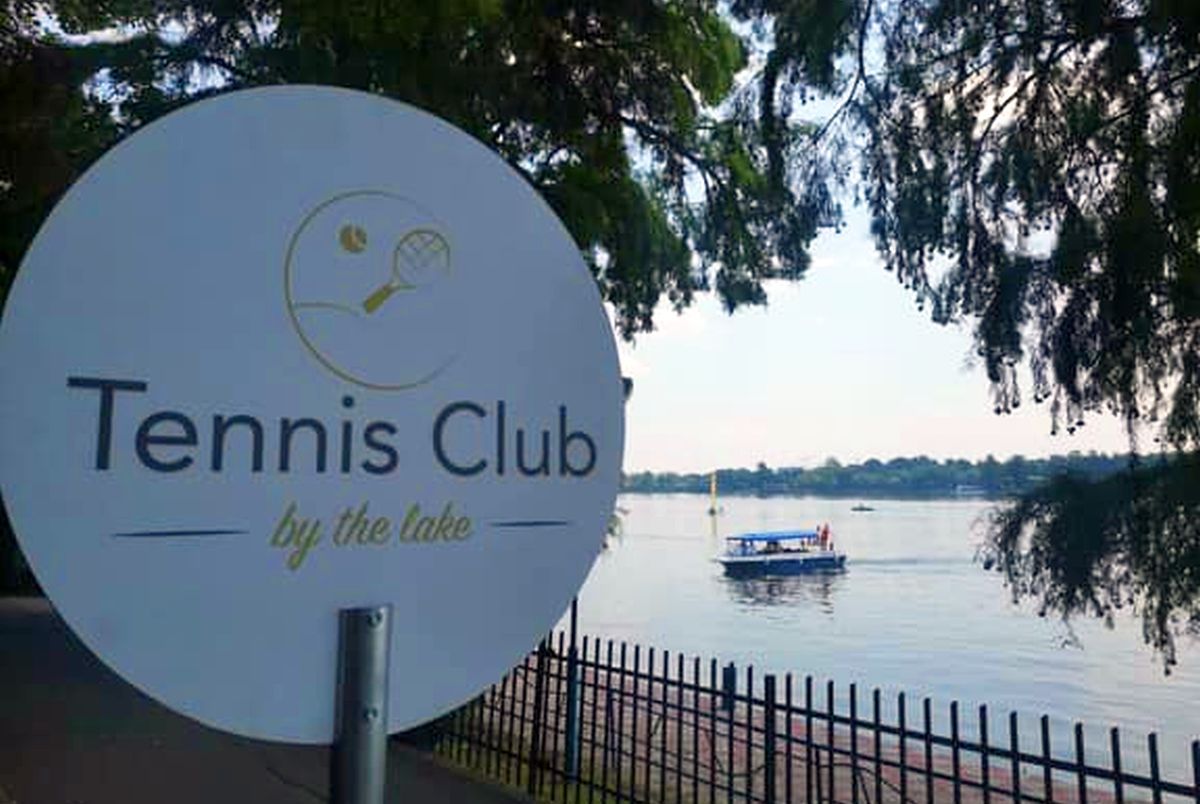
{"x":293,"y":350}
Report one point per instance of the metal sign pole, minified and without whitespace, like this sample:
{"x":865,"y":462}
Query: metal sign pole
{"x":357,"y":768}
{"x":573,"y":698}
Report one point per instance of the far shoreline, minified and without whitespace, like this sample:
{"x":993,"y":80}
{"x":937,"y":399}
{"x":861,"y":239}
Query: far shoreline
{"x":861,"y":496}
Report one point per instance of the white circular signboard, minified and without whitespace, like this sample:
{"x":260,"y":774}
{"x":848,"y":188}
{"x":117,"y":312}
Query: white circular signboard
{"x":299,"y":349}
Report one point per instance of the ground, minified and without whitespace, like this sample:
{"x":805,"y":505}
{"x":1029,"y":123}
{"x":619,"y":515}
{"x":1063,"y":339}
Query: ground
{"x":72,"y":732}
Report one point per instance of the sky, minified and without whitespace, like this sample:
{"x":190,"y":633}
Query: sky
{"x":840,"y":364}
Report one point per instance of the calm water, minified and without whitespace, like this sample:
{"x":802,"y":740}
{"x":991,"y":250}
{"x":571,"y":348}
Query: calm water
{"x":912,"y":612}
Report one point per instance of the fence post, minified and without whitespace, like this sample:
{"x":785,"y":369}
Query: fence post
{"x":539,"y":709}
{"x":728,"y":686}
{"x":769,"y":738}
{"x":573,"y":689}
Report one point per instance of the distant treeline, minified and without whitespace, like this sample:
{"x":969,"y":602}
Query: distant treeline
{"x":899,"y":477}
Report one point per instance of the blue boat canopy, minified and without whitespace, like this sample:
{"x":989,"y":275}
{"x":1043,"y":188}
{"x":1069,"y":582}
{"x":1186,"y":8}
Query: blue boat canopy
{"x":808,"y":535}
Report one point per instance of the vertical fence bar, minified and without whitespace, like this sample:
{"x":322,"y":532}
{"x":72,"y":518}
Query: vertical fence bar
{"x":539,"y":706}
{"x":595,"y":685}
{"x":1118,"y":780}
{"x":787,"y":746}
{"x":608,"y":720}
{"x":854,"y":743}
{"x":648,"y":763}
{"x":451,"y":725}
{"x":468,"y":755}
{"x":1047,"y":779}
{"x":491,"y":758}
{"x":731,"y":689}
{"x":809,"y":747}
{"x":712,"y":731}
{"x":574,"y":619}
{"x":548,"y":740}
{"x":1014,"y":745}
{"x":619,"y":763}
{"x":1155,"y":777}
{"x":656,"y":672}
{"x":927,"y":718}
{"x":462,"y":726}
{"x":663,"y":720}
{"x":769,"y":738}
{"x":468,"y":733}
{"x":902,"y":724}
{"x":1080,"y":764}
{"x":460,"y":730}
{"x":955,"y":755}
{"x":473,"y":730}
{"x":985,"y":755}
{"x":572,"y":737}
{"x":496,"y":727}
{"x":1196,"y":769}
{"x":479,"y":733}
{"x":633,"y":721}
{"x":829,"y":737}
{"x":465,"y":748}
{"x":748,"y":788}
{"x":505,"y":738}
{"x":477,"y":714}
{"x":696,"y":730}
{"x":557,"y":723}
{"x":877,"y":716}
{"x":580,"y":708}
{"x":515,"y":723}
{"x":479,"y":736}
{"x":497,"y":738}
{"x":522,"y":719}
{"x":678,"y":728}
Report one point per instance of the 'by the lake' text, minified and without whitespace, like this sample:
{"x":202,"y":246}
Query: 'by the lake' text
{"x":296,"y":534}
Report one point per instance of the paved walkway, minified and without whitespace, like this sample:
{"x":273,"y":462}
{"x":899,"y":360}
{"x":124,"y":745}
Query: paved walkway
{"x":72,"y":732}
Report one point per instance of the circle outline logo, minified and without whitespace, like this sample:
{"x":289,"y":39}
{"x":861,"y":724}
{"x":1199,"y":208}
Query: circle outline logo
{"x":292,"y":304}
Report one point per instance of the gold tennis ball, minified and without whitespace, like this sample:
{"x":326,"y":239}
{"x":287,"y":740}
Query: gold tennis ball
{"x":353,"y":238}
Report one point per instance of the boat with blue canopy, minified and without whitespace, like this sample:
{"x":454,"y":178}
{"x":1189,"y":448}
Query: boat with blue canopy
{"x":783,"y":552}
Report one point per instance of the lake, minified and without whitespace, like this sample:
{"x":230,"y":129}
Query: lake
{"x":913,"y":611}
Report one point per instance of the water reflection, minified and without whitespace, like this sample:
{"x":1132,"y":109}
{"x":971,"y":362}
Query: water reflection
{"x":784,"y":590}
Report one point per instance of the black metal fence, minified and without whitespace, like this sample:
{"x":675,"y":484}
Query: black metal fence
{"x":611,"y":722}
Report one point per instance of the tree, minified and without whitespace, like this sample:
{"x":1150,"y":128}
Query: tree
{"x":1034,"y":166}
{"x":1095,"y":547}
{"x":623,"y":114}
{"x":49,"y":131}
{"x":608,"y":108}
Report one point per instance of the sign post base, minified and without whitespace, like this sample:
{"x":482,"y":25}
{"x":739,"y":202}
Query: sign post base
{"x":358,"y":765}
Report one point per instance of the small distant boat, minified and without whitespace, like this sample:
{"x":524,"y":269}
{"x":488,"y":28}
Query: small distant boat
{"x":784,"y":552}
{"x":862,"y":507}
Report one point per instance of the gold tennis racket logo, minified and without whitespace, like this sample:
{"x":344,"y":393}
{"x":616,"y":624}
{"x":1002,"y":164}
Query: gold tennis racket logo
{"x":421,"y":258}
{"x":368,"y":284}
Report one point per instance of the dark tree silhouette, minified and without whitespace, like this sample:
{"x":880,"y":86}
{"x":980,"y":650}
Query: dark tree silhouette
{"x":1034,"y":166}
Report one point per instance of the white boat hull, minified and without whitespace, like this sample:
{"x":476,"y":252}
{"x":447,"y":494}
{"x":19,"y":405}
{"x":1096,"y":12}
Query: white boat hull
{"x":783,"y":563}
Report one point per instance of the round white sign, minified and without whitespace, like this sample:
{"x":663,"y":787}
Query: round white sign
{"x":293,"y":350}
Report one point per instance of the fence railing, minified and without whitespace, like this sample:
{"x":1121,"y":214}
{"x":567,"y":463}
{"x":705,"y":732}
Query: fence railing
{"x":611,"y":722}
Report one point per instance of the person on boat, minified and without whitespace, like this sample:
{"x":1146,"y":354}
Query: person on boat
{"x":826,"y":541}
{"x":772,"y":547}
